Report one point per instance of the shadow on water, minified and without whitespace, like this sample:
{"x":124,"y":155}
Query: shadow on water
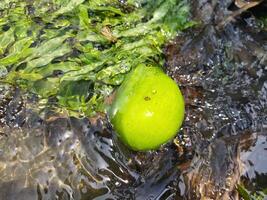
{"x":222,"y":73}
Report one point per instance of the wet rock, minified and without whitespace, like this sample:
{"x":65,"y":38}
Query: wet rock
{"x":222,"y":73}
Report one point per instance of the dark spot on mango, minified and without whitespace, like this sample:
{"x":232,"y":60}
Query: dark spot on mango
{"x":147,"y":98}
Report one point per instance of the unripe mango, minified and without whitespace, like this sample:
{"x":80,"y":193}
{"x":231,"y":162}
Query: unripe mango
{"x":148,"y":109}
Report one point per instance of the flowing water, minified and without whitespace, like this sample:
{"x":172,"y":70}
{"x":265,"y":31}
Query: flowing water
{"x":222,"y":71}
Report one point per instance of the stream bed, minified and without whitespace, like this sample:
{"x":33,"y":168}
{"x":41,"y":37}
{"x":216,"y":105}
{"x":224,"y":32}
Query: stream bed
{"x":221,"y":68}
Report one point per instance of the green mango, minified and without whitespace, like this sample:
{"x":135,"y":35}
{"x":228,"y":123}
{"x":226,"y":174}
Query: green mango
{"x":148,"y":109}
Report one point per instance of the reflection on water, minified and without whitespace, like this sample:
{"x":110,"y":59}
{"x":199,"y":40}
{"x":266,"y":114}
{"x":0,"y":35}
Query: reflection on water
{"x":254,"y":160}
{"x":57,"y":157}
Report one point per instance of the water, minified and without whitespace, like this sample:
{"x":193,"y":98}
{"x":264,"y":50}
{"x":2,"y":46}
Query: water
{"x":222,"y":72}
{"x":56,"y":157}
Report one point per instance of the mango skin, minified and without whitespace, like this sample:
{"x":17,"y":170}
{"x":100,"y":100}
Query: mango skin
{"x":148,"y":109}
